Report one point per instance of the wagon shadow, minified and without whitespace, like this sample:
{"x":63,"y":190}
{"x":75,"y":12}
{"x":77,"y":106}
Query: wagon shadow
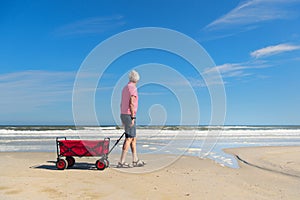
{"x":76,"y":166}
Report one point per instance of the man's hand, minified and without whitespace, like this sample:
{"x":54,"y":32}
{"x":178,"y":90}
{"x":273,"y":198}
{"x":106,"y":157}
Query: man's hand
{"x":132,"y":123}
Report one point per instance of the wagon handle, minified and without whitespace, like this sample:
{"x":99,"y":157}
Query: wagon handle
{"x":116,"y":143}
{"x":57,"y":138}
{"x":57,"y":144}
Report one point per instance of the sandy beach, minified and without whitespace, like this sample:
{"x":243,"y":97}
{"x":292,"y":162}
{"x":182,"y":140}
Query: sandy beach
{"x":264,"y":173}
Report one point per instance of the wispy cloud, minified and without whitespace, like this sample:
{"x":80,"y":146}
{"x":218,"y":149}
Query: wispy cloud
{"x":276,"y":49}
{"x":28,"y":90}
{"x":228,"y":69}
{"x":233,"y":69}
{"x":92,"y":25}
{"x":236,"y":70}
{"x":239,"y":70}
{"x":251,"y":12}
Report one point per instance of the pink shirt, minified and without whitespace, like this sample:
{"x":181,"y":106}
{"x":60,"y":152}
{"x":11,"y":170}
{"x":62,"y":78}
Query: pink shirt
{"x":128,"y":91}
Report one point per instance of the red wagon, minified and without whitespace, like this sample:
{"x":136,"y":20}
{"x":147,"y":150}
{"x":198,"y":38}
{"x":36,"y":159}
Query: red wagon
{"x":68,"y":149}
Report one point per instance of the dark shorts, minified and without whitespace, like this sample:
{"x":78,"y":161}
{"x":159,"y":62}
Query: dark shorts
{"x":130,"y":131}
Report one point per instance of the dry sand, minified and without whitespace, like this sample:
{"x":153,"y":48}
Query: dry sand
{"x":264,"y":173}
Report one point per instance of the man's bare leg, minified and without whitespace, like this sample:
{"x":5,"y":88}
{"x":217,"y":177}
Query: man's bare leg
{"x":125,"y":148}
{"x":133,"y":150}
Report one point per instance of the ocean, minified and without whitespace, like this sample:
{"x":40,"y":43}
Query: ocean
{"x":201,"y":141}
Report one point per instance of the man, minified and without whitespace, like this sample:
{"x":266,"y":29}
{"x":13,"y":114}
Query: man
{"x":129,"y":106}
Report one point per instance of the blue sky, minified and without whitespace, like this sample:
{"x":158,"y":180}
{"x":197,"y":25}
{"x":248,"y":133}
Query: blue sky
{"x":255,"y":45}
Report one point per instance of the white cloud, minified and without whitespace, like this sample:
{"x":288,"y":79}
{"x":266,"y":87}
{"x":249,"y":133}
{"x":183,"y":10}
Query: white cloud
{"x":27,"y":90}
{"x":92,"y":25}
{"x":252,"y":12}
{"x":229,"y":70}
{"x":276,"y":49}
{"x":216,"y":75}
{"x":225,"y":68}
{"x":236,"y":70}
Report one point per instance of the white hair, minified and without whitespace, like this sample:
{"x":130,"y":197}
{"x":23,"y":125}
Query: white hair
{"x":134,"y":76}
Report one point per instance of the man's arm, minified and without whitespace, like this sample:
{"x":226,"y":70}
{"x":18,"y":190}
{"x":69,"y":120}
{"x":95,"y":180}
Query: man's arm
{"x":132,"y":98}
{"x":131,"y":105}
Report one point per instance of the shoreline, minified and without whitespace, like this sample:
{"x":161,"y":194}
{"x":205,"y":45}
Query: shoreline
{"x":267,"y":173}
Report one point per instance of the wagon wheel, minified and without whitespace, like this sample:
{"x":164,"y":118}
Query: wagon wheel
{"x":61,"y":164}
{"x":70,"y":160}
{"x":100,"y":164}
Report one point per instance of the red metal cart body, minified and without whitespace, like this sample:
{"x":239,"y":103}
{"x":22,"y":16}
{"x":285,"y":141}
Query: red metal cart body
{"x":68,"y":149}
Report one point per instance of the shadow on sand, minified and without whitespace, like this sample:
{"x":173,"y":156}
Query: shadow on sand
{"x":76,"y":166}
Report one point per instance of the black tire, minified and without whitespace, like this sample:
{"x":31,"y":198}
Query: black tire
{"x":71,"y":161}
{"x":100,"y":165}
{"x":61,"y":164}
